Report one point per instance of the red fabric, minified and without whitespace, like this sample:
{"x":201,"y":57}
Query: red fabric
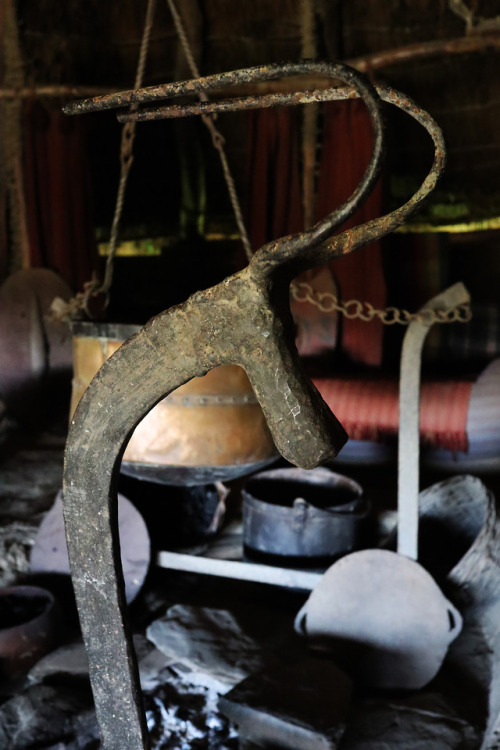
{"x":347,"y":144}
{"x":58,"y":193}
{"x":274,"y":204}
{"x":368,"y":409}
{"x":316,"y":330}
{"x":274,"y":208}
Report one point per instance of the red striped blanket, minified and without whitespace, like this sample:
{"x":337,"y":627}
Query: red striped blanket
{"x":368,"y":409}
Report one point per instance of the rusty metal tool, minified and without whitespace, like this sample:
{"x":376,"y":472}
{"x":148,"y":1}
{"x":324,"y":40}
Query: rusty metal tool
{"x":244,"y":320}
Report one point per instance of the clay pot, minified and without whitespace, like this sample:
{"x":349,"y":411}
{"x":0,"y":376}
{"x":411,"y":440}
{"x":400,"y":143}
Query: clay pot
{"x":384,"y":617}
{"x":28,"y":628}
{"x":35,"y":351}
{"x":49,"y":554}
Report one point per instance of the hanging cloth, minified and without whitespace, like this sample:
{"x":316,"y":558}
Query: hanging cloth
{"x":274,"y":204}
{"x":58,"y":195}
{"x":368,"y":409}
{"x":274,"y":209}
{"x":347,"y":145}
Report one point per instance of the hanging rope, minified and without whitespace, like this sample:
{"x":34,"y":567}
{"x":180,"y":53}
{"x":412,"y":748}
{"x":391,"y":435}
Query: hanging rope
{"x":12,"y":142}
{"x":61,"y":310}
{"x":126,"y":152}
{"x":300,"y":291}
{"x":215,"y":134}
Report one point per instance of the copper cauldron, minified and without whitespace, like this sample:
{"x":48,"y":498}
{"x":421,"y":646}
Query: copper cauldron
{"x":209,"y":429}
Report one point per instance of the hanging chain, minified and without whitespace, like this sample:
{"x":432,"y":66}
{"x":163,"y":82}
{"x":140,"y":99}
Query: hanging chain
{"x":354,"y":308}
{"x":216,"y":135}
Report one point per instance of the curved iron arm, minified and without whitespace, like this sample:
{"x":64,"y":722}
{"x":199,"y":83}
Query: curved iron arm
{"x":243,"y":320}
{"x":280,"y":250}
{"x":291,"y":252}
{"x":357,"y":84}
{"x":353,"y":239}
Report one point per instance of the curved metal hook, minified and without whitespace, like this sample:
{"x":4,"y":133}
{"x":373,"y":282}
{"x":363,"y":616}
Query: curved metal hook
{"x":311,"y":253}
{"x":297,"y":252}
{"x":283,"y":253}
{"x":358,"y":86}
{"x":243,"y":320}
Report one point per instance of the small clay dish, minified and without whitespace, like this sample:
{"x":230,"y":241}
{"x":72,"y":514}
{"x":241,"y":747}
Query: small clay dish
{"x":28,"y":628}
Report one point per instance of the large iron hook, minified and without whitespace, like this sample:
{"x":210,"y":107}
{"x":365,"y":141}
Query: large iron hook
{"x":243,"y":320}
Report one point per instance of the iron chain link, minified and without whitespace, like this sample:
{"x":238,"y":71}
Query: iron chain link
{"x":327,"y":302}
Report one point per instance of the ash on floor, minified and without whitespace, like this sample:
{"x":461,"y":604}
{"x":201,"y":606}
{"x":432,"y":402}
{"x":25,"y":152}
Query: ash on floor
{"x":182,"y":716}
{"x":187,"y":665}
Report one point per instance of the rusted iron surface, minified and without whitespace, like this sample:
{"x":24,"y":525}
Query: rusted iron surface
{"x":233,"y":322}
{"x":217,"y":82}
{"x":243,"y":320}
{"x":237,"y":104}
{"x":379,"y":227}
{"x":310,"y":254}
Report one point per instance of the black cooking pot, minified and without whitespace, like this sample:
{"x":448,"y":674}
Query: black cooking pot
{"x":310,"y":517}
